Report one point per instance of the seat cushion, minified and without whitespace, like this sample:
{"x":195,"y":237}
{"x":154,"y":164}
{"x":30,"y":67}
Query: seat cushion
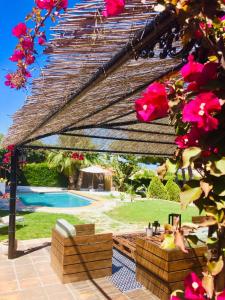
{"x":65,"y":228}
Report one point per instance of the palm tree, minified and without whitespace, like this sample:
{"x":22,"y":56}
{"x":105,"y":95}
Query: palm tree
{"x":65,"y":164}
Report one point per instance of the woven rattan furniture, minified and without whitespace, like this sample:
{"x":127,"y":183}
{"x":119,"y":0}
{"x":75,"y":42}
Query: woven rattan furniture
{"x":81,"y":257}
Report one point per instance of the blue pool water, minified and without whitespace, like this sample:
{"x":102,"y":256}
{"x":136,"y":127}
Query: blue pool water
{"x":53,"y":199}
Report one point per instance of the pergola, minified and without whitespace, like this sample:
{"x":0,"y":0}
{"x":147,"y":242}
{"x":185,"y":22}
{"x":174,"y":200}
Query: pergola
{"x":96,"y":69}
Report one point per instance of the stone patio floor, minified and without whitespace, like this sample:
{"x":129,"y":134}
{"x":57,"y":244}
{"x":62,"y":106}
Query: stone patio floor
{"x":30,"y":276}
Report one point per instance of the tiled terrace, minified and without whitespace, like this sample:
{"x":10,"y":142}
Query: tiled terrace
{"x":30,"y":276}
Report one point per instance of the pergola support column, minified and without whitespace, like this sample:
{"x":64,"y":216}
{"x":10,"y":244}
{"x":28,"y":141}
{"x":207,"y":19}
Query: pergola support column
{"x":12,"y":204}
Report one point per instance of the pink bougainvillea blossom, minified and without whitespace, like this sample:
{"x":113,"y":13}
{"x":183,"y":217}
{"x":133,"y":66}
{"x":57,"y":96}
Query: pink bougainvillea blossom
{"x":192,"y":138}
{"x":190,"y":71}
{"x":200,"y":110}
{"x":17,"y":55}
{"x":175,"y":298}
{"x":198,"y":74}
{"x":113,"y":8}
{"x":77,"y":156}
{"x":153,"y":104}
{"x":19,"y":30}
{"x":221,"y":296}
{"x":41,"y":40}
{"x":193,"y":287}
{"x":27,"y":44}
{"x":29,"y":59}
{"x":45,"y":4}
{"x":17,"y":79}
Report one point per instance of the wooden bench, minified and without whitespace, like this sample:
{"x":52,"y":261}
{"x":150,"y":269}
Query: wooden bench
{"x":163,"y":271}
{"x":81,"y":257}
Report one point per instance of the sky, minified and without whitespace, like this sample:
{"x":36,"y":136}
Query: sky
{"x":10,"y":99}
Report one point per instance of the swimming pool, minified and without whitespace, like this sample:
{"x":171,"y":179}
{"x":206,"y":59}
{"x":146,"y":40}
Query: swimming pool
{"x":53,"y":199}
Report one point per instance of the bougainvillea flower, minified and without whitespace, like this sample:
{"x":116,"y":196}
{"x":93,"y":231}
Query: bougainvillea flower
{"x":193,"y":287}
{"x":45,"y":4}
{"x":200,"y":109}
{"x":77,"y":156}
{"x":190,"y":71}
{"x":17,"y":79}
{"x":198,"y":74}
{"x":113,"y":8}
{"x":209,"y":72}
{"x":175,"y":298}
{"x":19,"y":30}
{"x":27,"y":44}
{"x":41,"y":40}
{"x":192,"y":138}
{"x":153,"y":104}
{"x":17,"y":55}
{"x":10,"y":147}
{"x":29,"y":59}
{"x":221,"y":296}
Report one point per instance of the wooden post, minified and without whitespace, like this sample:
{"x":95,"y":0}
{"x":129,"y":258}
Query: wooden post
{"x":12,"y":205}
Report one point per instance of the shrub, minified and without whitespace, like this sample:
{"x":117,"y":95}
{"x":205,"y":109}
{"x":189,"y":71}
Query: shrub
{"x":157,"y":190}
{"x":173,"y":190}
{"x":39,"y":174}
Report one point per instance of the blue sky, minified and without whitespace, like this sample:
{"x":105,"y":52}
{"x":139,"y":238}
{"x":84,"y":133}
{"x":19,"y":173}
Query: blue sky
{"x":11,"y":100}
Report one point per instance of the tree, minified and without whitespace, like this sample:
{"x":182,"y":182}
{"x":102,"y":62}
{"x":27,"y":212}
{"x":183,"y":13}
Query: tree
{"x":157,"y":189}
{"x":123,"y":167}
{"x":63,"y":161}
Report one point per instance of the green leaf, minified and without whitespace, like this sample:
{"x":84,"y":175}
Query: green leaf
{"x":211,"y":241}
{"x":217,"y":168}
{"x":189,"y":155}
{"x":190,"y":195}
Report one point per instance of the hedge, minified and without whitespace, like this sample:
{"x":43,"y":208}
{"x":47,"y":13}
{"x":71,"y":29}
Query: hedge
{"x":39,"y":174}
{"x":173,"y":190}
{"x":157,"y":190}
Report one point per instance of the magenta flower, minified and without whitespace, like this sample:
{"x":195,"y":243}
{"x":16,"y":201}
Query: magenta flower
{"x":113,"y":8}
{"x":153,"y":104}
{"x":221,"y":296}
{"x":27,"y":44}
{"x":193,"y":288}
{"x":175,"y":298}
{"x":191,"y":71}
{"x":29,"y":59}
{"x":19,"y":30}
{"x":45,"y":4}
{"x":198,"y":74}
{"x":17,"y":55}
{"x":41,"y":40}
{"x":200,"y":110}
{"x":190,"y":139}
{"x":17,"y":79}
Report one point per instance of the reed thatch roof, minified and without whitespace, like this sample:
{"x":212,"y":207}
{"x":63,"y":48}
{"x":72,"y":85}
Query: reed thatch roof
{"x":94,"y":74}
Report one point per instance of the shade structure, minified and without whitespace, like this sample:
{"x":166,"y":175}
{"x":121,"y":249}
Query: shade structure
{"x":95,"y":170}
{"x":96,"y":69}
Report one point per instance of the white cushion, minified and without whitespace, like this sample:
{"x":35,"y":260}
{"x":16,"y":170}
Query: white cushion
{"x":65,"y":228}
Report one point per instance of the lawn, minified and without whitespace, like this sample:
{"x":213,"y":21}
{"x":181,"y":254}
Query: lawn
{"x":149,"y":211}
{"x":36,"y":224}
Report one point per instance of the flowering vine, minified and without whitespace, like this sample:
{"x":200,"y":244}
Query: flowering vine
{"x":24,"y":54}
{"x":194,"y":100}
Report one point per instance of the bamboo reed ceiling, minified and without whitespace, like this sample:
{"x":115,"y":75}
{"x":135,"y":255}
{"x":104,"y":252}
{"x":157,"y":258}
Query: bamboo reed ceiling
{"x":92,"y":79}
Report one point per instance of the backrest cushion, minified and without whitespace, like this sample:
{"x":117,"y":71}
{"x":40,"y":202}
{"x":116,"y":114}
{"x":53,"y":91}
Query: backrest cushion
{"x":65,"y":228}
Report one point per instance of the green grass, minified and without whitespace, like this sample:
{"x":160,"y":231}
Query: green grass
{"x":36,"y":224}
{"x":149,"y":211}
